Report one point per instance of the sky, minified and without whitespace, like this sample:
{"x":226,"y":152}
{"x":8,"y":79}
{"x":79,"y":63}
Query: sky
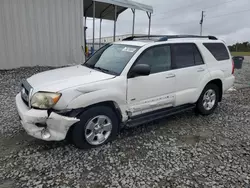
{"x":226,"y":19}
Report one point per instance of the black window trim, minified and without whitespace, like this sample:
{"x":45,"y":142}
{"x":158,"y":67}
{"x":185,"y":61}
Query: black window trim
{"x":202,"y":59}
{"x":129,"y":72}
{"x":174,"y":67}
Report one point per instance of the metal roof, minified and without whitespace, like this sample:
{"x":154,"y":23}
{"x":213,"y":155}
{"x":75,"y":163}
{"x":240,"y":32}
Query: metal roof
{"x":104,"y":9}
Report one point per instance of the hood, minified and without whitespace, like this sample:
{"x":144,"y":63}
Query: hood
{"x":63,"y":78}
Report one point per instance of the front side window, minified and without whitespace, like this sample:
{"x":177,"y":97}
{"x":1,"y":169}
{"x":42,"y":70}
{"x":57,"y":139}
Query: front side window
{"x":112,"y":58}
{"x":157,"y":57}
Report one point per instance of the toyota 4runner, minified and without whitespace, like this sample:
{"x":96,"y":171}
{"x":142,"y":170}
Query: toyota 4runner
{"x":125,"y":84}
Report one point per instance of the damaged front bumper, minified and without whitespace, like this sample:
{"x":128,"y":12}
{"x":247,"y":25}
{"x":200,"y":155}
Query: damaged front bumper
{"x":55,"y":126}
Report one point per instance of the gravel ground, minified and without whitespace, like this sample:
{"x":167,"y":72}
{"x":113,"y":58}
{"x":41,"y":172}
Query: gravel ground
{"x":182,"y":151}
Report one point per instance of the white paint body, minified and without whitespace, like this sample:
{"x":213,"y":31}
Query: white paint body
{"x":81,"y":87}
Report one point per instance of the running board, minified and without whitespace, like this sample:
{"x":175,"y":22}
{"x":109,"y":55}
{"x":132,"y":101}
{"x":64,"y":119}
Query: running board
{"x":158,"y":114}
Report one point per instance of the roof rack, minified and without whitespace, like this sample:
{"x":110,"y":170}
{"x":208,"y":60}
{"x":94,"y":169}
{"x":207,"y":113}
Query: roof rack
{"x":143,"y":37}
{"x":166,"y":37}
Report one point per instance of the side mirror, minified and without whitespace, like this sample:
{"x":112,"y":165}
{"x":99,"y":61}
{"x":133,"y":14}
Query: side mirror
{"x":140,"y":70}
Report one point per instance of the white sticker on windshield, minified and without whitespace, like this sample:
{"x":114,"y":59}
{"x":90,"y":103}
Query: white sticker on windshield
{"x":128,"y":49}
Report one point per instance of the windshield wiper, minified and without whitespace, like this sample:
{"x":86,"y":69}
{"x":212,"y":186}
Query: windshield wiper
{"x":105,"y":70}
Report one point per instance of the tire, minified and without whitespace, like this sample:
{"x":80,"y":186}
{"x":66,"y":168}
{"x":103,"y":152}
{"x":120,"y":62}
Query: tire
{"x":204,"y":107}
{"x":89,"y":119}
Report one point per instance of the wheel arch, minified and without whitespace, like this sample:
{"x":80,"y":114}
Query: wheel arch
{"x":77,"y":113}
{"x":112,"y":104}
{"x":218,"y":83}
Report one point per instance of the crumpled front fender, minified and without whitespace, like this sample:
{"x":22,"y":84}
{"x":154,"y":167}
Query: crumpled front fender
{"x":55,"y":126}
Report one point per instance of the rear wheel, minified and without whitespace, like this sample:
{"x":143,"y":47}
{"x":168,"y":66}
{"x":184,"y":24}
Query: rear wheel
{"x":208,"y":100}
{"x":98,"y":125}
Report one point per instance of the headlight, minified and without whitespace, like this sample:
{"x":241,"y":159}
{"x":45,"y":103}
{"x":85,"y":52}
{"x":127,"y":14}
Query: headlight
{"x":45,"y":100}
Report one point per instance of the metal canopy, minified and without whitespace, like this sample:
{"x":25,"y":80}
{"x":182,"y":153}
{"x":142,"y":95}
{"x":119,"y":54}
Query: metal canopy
{"x":110,"y":10}
{"x":104,"y":9}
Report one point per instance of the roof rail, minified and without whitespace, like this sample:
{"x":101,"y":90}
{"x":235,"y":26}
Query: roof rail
{"x":144,"y":37}
{"x":166,"y":37}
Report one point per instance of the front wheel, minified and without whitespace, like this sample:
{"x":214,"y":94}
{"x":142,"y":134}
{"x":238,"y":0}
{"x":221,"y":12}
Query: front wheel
{"x":98,"y":125}
{"x":208,"y":100}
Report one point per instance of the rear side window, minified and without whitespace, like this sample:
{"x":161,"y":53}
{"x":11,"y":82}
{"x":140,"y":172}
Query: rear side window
{"x":186,"y":55}
{"x":218,"y":50}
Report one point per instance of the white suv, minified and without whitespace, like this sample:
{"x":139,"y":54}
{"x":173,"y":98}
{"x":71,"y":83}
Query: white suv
{"x":125,"y":84}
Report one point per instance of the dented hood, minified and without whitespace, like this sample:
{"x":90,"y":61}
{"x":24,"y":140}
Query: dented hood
{"x":63,"y":78}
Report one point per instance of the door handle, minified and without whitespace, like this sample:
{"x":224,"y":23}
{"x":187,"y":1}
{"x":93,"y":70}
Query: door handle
{"x":200,"y":70}
{"x":170,"y":76}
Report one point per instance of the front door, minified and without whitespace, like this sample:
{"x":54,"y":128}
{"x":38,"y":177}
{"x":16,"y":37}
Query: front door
{"x":157,"y":90}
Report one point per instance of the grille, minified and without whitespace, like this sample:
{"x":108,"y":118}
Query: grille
{"x":25,"y":102}
{"x":25,"y":91}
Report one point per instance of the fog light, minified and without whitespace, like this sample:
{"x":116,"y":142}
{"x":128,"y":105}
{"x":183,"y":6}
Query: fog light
{"x":45,"y":134}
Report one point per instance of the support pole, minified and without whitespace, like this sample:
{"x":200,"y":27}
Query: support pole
{"x":83,"y":33}
{"x":133,"y":27}
{"x":93,"y":25}
{"x":201,"y":22}
{"x":115,"y":23}
{"x":149,"y":26}
{"x":100,"y":33}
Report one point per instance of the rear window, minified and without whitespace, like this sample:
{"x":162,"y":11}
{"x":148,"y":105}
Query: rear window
{"x":218,"y":50}
{"x":183,"y":55}
{"x":186,"y":55}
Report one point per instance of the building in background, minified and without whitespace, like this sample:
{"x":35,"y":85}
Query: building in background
{"x":39,"y":32}
{"x":105,"y":40}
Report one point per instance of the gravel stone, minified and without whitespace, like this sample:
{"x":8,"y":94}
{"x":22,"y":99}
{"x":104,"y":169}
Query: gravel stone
{"x":184,"y":150}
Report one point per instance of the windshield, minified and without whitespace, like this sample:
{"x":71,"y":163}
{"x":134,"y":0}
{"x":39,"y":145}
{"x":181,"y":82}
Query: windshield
{"x":112,"y":58}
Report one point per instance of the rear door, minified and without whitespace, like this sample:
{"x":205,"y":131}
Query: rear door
{"x":190,"y":69}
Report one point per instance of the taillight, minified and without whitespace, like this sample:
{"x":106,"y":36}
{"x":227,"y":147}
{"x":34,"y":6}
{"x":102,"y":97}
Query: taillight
{"x":232,"y":66}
